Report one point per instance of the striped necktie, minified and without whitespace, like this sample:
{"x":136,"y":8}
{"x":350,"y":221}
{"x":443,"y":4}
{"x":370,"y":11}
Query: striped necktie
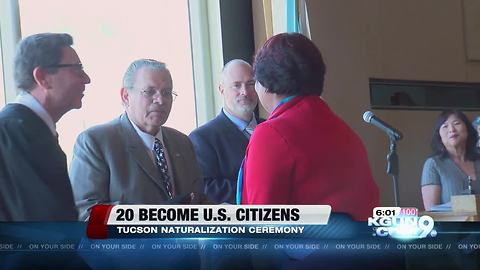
{"x":162,"y":166}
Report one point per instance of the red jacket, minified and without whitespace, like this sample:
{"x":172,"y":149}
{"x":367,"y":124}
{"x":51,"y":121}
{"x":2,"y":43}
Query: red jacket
{"x":305,"y":154}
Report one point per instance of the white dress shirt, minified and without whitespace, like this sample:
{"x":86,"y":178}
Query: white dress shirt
{"x":27,"y":100}
{"x":149,"y":140}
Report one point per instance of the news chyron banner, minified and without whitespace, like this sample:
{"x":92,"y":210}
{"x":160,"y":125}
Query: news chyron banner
{"x":200,"y":221}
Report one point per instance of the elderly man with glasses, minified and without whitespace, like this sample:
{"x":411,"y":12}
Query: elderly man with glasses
{"x":33,"y":168}
{"x":134,"y":159}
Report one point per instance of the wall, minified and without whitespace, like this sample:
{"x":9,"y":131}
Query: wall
{"x":409,"y":39}
{"x":237,"y":30}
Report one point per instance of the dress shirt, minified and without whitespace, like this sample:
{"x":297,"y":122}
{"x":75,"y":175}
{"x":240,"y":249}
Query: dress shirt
{"x":27,"y":100}
{"x":240,"y":124}
{"x":149,"y":140}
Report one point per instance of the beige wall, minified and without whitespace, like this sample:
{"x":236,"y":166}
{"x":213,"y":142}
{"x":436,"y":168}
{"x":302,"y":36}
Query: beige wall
{"x":408,"y":39}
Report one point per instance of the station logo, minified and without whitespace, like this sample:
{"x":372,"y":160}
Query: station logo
{"x":401,"y":223}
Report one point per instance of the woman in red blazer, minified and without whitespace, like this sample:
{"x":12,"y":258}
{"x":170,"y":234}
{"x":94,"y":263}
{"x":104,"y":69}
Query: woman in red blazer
{"x":303,"y":153}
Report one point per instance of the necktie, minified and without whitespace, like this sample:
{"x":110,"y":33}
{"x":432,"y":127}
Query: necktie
{"x":248,"y":131}
{"x":162,"y":166}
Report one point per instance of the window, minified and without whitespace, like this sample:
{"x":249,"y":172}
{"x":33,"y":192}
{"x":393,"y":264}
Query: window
{"x":107,"y":39}
{"x":423,"y":95}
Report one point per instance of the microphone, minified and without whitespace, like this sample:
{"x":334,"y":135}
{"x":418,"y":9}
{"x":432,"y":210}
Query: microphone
{"x":370,"y":118}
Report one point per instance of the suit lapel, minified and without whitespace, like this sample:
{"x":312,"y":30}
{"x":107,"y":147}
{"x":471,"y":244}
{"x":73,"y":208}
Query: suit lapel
{"x":136,"y":148}
{"x":231,"y":131}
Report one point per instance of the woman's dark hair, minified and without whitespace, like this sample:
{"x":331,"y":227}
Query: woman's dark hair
{"x":471,"y":152}
{"x":290,"y":64}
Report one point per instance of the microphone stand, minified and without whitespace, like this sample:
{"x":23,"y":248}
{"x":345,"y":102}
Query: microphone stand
{"x":392,"y":167}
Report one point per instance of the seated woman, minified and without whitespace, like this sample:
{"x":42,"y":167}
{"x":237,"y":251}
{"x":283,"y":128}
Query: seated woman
{"x":455,"y":162}
{"x":304,"y":153}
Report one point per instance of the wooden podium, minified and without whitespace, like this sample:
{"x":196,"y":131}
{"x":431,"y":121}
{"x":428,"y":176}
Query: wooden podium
{"x":466,"y":203}
{"x":464,"y":208}
{"x":453,"y":216}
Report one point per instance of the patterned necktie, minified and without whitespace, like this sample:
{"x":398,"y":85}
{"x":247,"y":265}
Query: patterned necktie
{"x":162,"y":166}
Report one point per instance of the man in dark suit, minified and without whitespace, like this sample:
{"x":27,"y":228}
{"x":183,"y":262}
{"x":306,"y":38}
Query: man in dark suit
{"x":34,"y":184}
{"x":220,"y":144}
{"x":134,"y":159}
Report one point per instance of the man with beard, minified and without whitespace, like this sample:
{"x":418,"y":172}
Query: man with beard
{"x":134,"y":159}
{"x":220,"y":144}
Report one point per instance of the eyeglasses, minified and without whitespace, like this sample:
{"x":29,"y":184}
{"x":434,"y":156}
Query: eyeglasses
{"x":77,"y":66}
{"x":155,"y":93}
{"x":250,"y":85}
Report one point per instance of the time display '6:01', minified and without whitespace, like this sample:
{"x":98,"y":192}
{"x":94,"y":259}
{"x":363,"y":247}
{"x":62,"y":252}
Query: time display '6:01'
{"x":386,"y":211}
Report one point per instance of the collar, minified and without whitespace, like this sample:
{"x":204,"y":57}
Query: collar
{"x":147,"y":139}
{"x":239,"y":123}
{"x":27,"y":100}
{"x":285,"y":100}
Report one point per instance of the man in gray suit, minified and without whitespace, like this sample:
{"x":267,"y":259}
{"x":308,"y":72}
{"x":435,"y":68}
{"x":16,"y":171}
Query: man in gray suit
{"x":134,"y":159}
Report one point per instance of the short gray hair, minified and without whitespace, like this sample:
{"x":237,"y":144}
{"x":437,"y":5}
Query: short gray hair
{"x":129,"y":77}
{"x":40,"y":50}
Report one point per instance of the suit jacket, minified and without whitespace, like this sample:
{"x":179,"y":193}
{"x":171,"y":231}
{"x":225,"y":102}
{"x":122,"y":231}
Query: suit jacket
{"x":220,"y":148}
{"x":34,"y":184}
{"x":305,"y":154}
{"x":110,"y":165}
